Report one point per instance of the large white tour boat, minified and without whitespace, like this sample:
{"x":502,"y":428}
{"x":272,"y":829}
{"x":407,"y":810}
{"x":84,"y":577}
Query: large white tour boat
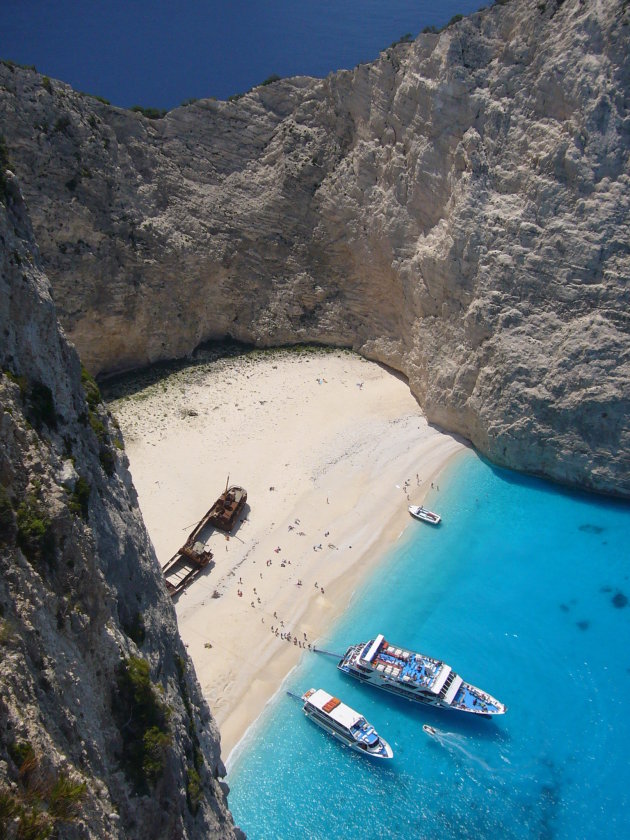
{"x":344,"y":724}
{"x":416,"y":677}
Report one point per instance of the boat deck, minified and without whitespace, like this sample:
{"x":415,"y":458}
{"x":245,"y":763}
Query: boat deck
{"x":408,"y":667}
{"x":423,"y":673}
{"x":185,"y":566}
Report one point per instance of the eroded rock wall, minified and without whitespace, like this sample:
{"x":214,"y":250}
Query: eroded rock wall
{"x":103,"y":729}
{"x":457,"y":209}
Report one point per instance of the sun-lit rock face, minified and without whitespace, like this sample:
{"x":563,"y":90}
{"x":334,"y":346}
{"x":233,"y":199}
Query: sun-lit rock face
{"x":457,"y":209}
{"x":104,"y":732}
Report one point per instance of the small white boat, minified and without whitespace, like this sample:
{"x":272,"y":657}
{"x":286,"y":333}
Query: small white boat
{"x":430,"y":730}
{"x":344,"y":724}
{"x":419,"y":512}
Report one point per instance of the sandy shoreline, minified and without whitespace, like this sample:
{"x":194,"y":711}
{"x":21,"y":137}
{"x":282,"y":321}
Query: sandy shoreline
{"x":324,"y":443}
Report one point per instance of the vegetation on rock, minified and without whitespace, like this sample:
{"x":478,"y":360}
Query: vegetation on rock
{"x":150,"y":113}
{"x":7,"y":518}
{"x":40,"y":800}
{"x":143,"y":719}
{"x":34,"y":530}
{"x":80,"y":498}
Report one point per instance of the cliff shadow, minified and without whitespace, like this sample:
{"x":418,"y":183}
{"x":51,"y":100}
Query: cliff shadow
{"x":117,"y":386}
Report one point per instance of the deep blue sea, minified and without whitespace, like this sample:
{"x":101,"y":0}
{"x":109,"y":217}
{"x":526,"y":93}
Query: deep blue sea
{"x":524,"y":591}
{"x":159,"y":53}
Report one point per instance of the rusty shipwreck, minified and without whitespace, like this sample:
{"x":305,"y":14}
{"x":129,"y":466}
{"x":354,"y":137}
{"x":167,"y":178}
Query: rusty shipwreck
{"x":195,"y":555}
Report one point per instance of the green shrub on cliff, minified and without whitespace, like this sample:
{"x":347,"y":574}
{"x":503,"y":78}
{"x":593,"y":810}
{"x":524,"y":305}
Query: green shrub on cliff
{"x":6,"y":514}
{"x":21,"y":752}
{"x":39,"y":403}
{"x":407,"y":38}
{"x":155,"y":744}
{"x":150,"y":113}
{"x":92,"y":392}
{"x":136,"y":629}
{"x":143,"y":719}
{"x":194,"y":790}
{"x":40,"y":406}
{"x":62,"y":123}
{"x":107,"y":459}
{"x":13,"y":64}
{"x":35,"y":536}
{"x":64,"y":798}
{"x":80,"y":498}
{"x":37,"y":805}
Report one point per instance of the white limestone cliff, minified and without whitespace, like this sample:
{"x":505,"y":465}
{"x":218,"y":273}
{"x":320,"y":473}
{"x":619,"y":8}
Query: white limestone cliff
{"x":457,"y":209}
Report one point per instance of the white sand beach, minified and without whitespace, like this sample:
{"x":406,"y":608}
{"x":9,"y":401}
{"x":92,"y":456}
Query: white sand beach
{"x":330,"y":448}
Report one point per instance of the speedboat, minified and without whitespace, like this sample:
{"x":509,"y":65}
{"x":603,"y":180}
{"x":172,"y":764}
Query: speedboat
{"x":430,"y":730}
{"x":344,"y":724}
{"x":415,"y":676}
{"x":424,"y":515}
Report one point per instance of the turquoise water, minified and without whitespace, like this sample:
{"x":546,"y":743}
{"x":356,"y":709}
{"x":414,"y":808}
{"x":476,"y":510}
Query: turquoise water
{"x":523,"y":590}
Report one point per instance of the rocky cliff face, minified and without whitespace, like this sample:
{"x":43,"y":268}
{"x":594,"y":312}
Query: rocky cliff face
{"x":458,"y":210}
{"x":103,"y":729}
